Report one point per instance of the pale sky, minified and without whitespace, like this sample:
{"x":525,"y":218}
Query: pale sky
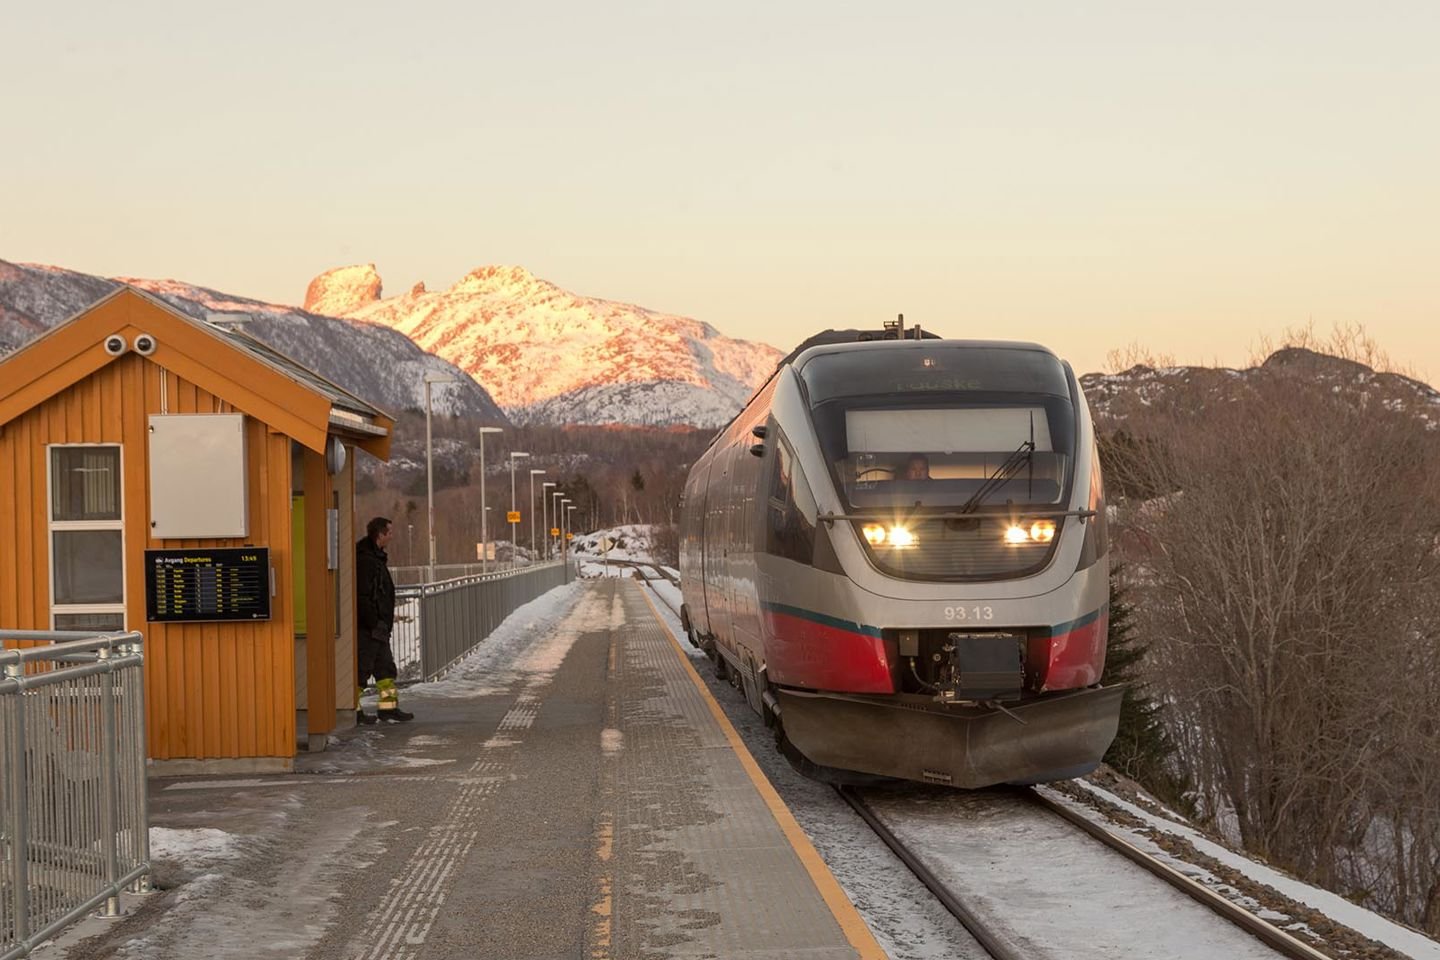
{"x":1190,"y":177}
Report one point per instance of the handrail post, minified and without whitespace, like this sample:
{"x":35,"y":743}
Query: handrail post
{"x":19,"y":798}
{"x":136,"y":703}
{"x":109,"y":777}
{"x":420,"y":626}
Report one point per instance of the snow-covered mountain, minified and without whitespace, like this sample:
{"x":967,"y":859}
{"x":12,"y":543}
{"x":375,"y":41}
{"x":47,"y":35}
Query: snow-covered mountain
{"x":1114,"y":397}
{"x":371,"y":361}
{"x":552,"y":356}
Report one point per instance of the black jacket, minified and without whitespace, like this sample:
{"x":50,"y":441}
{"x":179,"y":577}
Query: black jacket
{"x":374,"y":590}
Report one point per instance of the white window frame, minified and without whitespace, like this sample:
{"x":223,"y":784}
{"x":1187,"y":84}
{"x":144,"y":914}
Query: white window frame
{"x":53,"y":525}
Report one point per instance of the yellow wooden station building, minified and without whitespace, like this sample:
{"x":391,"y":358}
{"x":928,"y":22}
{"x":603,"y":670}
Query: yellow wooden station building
{"x":181,"y":478}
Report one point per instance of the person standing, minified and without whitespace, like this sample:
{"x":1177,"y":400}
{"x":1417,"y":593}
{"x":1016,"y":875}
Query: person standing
{"x":375,"y":600}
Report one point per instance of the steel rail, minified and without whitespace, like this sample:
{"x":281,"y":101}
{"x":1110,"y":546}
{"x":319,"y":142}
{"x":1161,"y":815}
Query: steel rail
{"x":988,"y":940}
{"x":1267,"y":933}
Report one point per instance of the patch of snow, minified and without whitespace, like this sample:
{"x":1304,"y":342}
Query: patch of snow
{"x":530,"y":641}
{"x":197,"y":847}
{"x":611,"y":741}
{"x":1015,"y":864}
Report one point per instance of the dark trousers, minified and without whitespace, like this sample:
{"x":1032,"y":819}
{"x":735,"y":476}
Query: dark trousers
{"x":374,"y":657}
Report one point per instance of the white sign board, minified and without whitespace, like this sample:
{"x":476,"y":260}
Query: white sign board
{"x":198,"y":476}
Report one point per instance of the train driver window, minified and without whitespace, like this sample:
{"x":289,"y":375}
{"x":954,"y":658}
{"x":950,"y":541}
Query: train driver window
{"x":917,"y":467}
{"x":790,"y":529}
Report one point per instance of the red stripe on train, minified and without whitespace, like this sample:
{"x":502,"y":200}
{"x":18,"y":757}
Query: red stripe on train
{"x":1074,"y":659}
{"x":803,"y":653}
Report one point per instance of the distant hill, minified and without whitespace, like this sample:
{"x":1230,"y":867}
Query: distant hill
{"x":371,"y":361}
{"x":551,"y":356}
{"x":1117,"y":397}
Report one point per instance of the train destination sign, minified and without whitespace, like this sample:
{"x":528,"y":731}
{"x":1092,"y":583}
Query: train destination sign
{"x":199,"y":584}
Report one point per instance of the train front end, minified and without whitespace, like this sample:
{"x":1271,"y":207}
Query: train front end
{"x":949,"y":622}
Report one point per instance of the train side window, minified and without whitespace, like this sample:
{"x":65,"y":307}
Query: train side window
{"x":789,"y":532}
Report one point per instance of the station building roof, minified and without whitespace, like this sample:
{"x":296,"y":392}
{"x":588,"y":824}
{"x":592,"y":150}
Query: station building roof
{"x":251,"y":376}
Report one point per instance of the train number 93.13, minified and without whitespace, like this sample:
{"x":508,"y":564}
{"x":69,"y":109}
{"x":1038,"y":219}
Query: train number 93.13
{"x":972,"y":612}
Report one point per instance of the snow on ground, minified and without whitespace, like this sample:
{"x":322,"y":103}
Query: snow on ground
{"x":632,"y":542}
{"x":596,"y":571}
{"x":1013,"y":863}
{"x":528,"y":642}
{"x":198,"y":847}
{"x":1409,"y":942}
{"x":668,"y":592}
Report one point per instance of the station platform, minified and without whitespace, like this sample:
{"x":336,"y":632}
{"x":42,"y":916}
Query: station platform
{"x":571,"y":791}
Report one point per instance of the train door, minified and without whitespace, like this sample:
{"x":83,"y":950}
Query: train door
{"x":694,"y":504}
{"x":717,"y":503}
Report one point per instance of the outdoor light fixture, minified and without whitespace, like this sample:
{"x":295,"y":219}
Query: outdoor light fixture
{"x":532,"y":513}
{"x":484,"y":513}
{"x":514,"y":538}
{"x":429,"y":380}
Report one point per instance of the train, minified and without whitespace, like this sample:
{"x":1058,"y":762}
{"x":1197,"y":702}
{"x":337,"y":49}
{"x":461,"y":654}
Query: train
{"x":899,"y":552}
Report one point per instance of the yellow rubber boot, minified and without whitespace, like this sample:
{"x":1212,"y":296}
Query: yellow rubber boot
{"x":389,"y":706}
{"x":361,"y":717}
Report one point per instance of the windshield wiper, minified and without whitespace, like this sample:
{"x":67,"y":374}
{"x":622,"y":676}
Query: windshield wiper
{"x":1003,"y":473}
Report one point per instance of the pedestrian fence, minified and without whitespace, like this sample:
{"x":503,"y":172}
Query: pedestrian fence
{"x":74,"y":818}
{"x":416,"y":575}
{"x":438,"y":623}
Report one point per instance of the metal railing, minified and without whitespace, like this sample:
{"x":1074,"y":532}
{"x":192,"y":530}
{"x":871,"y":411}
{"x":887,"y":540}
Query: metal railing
{"x":413,"y":576}
{"x":74,"y":816}
{"x":438,"y":623}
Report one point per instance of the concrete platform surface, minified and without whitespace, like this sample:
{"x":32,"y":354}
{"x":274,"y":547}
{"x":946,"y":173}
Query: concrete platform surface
{"x":571,"y":791}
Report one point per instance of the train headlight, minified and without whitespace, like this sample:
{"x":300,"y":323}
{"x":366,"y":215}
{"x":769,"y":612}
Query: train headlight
{"x":900,"y":537}
{"x":874,"y":534}
{"x":1039,"y":531}
{"x":1042,"y":531}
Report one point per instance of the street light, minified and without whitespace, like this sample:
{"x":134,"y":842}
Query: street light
{"x":555,"y":499}
{"x":545,"y":513}
{"x":514,"y":538}
{"x":530,"y":508}
{"x":430,"y":379}
{"x":485,"y":512}
{"x":571,"y":527}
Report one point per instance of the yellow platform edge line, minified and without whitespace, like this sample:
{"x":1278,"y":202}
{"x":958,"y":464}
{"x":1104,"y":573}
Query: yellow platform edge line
{"x":851,"y":923}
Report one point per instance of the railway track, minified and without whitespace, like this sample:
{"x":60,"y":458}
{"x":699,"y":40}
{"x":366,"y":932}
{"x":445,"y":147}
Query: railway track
{"x":1278,"y":940}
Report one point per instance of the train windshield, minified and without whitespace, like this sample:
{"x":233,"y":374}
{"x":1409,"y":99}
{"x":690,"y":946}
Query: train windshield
{"x":957,"y":446}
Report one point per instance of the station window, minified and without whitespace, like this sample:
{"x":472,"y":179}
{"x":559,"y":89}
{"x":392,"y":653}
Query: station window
{"x":87,"y":540}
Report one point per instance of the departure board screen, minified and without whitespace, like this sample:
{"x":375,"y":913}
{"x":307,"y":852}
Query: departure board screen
{"x":220,"y":584}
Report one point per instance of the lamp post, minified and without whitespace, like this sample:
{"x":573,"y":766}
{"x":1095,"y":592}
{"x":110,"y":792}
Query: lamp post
{"x":545,"y":514}
{"x":570,"y":528}
{"x":485,"y":544}
{"x":530,"y":508}
{"x":514,"y":538}
{"x":555,"y":499}
{"x":429,"y":380}
{"x":484,"y":508}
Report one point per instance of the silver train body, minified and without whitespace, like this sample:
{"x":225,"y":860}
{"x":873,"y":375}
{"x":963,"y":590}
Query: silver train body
{"x":898,"y":551}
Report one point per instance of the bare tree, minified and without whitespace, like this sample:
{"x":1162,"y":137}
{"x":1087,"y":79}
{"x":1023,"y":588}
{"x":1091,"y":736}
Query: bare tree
{"x":1288,"y":579}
